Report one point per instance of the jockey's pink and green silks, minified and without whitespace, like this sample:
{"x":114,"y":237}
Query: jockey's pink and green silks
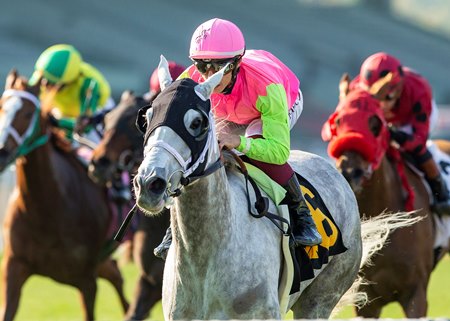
{"x":265,"y":89}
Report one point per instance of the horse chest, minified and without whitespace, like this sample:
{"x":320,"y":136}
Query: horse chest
{"x":218,"y":294}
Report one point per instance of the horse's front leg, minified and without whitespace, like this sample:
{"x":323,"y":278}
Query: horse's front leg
{"x":147,"y":293}
{"x":109,"y":270}
{"x":14,"y":275}
{"x":88,"y":290}
{"x":415,"y":305}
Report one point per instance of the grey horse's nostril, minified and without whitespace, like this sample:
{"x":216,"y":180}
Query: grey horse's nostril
{"x":157,"y":185}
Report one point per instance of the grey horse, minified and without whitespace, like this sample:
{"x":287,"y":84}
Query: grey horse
{"x":224,"y":263}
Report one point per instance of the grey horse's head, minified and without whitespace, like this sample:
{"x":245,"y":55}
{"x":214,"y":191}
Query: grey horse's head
{"x":179,"y":138}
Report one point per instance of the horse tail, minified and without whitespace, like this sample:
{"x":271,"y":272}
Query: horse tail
{"x":374,"y":233}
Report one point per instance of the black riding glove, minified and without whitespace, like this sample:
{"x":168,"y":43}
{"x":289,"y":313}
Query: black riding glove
{"x":399,"y":136}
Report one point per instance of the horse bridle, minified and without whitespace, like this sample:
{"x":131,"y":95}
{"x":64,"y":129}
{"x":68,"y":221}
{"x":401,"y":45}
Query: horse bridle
{"x":131,"y":154}
{"x":25,"y":142}
{"x":188,"y":171}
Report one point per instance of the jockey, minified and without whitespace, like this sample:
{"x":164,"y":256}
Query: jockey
{"x":408,"y":106}
{"x":175,"y":70}
{"x":256,"y":104}
{"x":79,"y":94}
{"x":74,"y":87}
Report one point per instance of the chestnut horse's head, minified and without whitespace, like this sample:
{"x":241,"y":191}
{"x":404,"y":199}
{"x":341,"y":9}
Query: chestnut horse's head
{"x":121,"y":147}
{"x":19,"y":119}
{"x":358,"y":137}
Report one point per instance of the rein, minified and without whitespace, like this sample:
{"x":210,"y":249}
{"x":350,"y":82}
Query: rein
{"x":262,"y":203}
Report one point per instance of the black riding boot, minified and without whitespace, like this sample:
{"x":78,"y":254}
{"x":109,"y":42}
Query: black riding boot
{"x":303,"y":227}
{"x":163,"y":248}
{"x":441,"y":195}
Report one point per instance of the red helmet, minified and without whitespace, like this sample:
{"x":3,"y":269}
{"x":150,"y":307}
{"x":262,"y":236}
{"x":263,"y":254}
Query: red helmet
{"x":377,"y":66}
{"x":175,"y":70}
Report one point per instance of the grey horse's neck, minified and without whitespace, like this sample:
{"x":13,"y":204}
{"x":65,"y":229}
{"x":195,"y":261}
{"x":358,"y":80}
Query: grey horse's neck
{"x":201,"y":213}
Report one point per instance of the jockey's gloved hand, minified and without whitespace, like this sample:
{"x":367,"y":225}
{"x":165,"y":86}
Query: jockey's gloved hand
{"x":98,"y":118}
{"x":82,"y":122}
{"x":399,"y":136}
{"x":53,"y":121}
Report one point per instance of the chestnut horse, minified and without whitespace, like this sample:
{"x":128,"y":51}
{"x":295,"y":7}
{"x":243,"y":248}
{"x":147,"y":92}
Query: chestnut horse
{"x":57,"y":222}
{"x":121,"y":148}
{"x":359,"y":141}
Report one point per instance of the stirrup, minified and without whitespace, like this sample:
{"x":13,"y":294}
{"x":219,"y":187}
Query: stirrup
{"x":161,"y":251}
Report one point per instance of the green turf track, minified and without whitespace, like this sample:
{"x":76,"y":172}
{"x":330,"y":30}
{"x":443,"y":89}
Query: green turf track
{"x":43,"y":299}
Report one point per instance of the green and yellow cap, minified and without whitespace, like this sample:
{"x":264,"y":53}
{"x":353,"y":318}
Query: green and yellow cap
{"x":59,"y":64}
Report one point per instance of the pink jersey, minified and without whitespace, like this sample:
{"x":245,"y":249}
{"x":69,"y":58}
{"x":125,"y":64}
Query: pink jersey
{"x":258,"y":70}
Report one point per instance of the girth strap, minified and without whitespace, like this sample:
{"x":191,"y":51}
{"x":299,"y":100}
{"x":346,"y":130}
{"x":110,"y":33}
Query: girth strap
{"x":262,"y":202}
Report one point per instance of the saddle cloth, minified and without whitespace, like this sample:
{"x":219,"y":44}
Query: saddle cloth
{"x":301,"y":262}
{"x":442,"y":237}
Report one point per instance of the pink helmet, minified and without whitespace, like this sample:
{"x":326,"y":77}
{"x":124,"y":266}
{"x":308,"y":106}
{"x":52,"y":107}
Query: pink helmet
{"x":379,"y":65}
{"x":175,"y":70}
{"x":217,"y":39}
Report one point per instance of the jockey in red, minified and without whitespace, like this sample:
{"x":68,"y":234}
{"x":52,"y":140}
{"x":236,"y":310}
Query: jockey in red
{"x":407,"y":104}
{"x":175,"y":70}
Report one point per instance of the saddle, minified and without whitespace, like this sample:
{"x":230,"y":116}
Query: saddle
{"x":442,"y":224}
{"x":305,"y":259}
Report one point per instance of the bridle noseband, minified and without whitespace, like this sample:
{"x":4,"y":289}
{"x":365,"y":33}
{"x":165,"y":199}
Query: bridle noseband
{"x":26,"y":142}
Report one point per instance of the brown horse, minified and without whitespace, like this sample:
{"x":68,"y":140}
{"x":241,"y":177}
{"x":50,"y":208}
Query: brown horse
{"x":122,"y":149}
{"x":382,"y":182}
{"x":57,"y":222}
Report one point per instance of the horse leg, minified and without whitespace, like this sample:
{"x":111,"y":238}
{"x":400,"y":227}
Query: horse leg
{"x":15,"y":273}
{"x":374,"y":305}
{"x":88,"y":291}
{"x":109,"y":270}
{"x":415,"y":305}
{"x":146,"y":295}
{"x":125,"y":252}
{"x":371,"y":309}
{"x":320,"y":297}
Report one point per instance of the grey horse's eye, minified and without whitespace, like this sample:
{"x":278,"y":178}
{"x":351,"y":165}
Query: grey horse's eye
{"x":195,"y":123}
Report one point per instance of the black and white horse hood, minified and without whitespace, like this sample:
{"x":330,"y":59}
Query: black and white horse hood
{"x":182,"y":97}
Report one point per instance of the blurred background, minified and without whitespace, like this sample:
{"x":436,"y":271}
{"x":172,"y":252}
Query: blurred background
{"x":318,"y":39}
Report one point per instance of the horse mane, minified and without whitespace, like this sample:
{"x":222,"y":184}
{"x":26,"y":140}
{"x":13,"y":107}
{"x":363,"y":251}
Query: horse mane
{"x":230,"y":162}
{"x":126,"y":109}
{"x":63,"y":146}
{"x":59,"y":140}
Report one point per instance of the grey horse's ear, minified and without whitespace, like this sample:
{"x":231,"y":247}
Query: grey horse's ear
{"x":165,"y":79}
{"x":206,"y":88}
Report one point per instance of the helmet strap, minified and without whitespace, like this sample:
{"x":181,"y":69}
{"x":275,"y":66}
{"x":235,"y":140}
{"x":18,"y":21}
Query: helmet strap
{"x":234,"y":73}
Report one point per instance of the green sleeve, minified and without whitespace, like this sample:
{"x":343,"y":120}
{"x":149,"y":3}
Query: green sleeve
{"x":184,"y":74}
{"x":274,"y":147}
{"x":89,"y":96}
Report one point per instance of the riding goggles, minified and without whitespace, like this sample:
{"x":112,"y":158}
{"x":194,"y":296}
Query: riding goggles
{"x":204,"y":65}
